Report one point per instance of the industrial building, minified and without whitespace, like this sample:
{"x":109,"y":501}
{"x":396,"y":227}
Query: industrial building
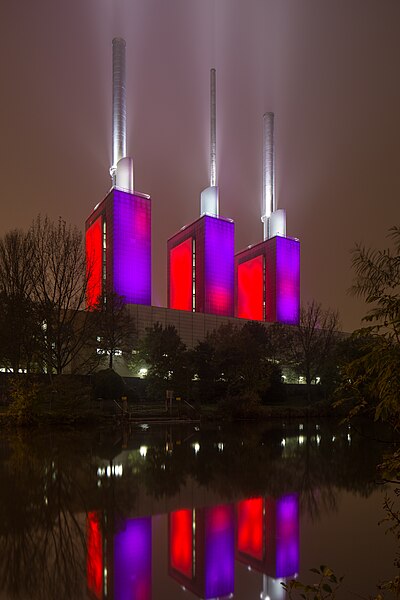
{"x":207,"y":282}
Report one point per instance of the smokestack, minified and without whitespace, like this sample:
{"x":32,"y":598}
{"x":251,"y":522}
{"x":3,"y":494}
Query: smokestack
{"x":119,"y":105}
{"x":268,"y":194}
{"x":209,"y":199}
{"x":213,"y":132}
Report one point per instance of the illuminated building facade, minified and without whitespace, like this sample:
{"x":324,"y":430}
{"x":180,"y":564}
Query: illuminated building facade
{"x":118,"y":232}
{"x":118,"y":248}
{"x":268,"y":281}
{"x":201,"y":267}
{"x":267,"y":275}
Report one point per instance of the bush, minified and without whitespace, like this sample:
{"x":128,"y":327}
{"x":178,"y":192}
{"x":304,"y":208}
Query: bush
{"x":107,"y":384}
{"x":242,"y":406}
{"x":24,"y":406}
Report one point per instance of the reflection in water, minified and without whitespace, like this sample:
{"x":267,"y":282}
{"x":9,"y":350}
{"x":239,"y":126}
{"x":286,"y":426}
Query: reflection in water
{"x":132,"y":560}
{"x":202,"y":551}
{"x":94,"y":556}
{"x":268,"y":535}
{"x":79,"y":513}
{"x":201,"y":546}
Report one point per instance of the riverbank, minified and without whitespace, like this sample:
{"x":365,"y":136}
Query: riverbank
{"x":109,"y":414}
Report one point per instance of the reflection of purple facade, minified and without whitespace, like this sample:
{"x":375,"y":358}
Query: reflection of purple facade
{"x":213,"y":546}
{"x":276,"y":532}
{"x":132,"y":561}
{"x":125,"y":245}
{"x":281,"y":296}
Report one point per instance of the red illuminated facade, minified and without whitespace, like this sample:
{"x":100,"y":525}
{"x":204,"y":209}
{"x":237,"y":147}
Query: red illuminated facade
{"x":181,"y":260}
{"x":267,"y":277}
{"x":251,"y":288}
{"x":201,"y":267}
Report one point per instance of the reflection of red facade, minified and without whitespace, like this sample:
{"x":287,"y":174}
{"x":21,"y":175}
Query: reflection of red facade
{"x":268,"y":535}
{"x":181,"y":279}
{"x":210,"y":270}
{"x":94,"y":566}
{"x":181,"y":542}
{"x":250,"y":528}
{"x":209,"y":572}
{"x":94,"y":260}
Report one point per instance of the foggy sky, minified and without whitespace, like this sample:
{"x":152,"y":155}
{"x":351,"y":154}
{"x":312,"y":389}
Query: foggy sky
{"x":328,"y":69}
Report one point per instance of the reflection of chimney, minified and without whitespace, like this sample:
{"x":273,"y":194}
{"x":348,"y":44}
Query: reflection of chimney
{"x":118,"y":105}
{"x":268,"y":193}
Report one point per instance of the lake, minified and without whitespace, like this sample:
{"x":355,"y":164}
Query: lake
{"x":191,"y":511}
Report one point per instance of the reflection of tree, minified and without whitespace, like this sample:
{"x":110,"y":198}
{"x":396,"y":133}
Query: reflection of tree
{"x":42,"y":535}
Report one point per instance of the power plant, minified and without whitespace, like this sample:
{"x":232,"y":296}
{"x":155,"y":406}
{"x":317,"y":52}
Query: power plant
{"x":201,"y":255}
{"x":267,"y":275}
{"x":118,"y":231}
{"x":204,"y":275}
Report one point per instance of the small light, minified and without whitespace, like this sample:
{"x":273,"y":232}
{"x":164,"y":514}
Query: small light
{"x":196,"y":447}
{"x":143,"y":451}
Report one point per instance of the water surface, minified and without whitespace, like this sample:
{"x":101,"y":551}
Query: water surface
{"x":184,"y":512}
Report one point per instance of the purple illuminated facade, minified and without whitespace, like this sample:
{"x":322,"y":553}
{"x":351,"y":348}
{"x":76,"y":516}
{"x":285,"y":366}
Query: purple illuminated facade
{"x":281,"y":281}
{"x":211,"y":269}
{"x":132,"y":561}
{"x":125,"y":245}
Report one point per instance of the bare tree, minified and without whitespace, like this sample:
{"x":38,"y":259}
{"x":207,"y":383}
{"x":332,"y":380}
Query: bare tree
{"x":114,"y":327}
{"x":311,"y":344}
{"x":18,"y":324}
{"x":59,"y":278}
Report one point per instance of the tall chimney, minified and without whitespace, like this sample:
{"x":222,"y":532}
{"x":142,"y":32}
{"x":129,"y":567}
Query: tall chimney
{"x":118,"y":105}
{"x":213,"y":131}
{"x":209,"y":200}
{"x":268,"y":193}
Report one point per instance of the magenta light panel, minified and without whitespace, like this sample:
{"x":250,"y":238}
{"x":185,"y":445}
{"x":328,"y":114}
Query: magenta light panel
{"x":131,"y":247}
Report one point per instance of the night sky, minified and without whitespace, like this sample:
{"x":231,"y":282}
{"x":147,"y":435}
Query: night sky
{"x":328,"y":69}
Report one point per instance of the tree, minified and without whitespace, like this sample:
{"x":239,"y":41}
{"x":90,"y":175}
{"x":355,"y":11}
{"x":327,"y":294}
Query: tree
{"x":165,"y":355}
{"x":372,"y":377}
{"x":19,"y":328}
{"x":235,"y":361}
{"x":311,"y":344}
{"x":59,"y":277}
{"x":116,"y":332}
